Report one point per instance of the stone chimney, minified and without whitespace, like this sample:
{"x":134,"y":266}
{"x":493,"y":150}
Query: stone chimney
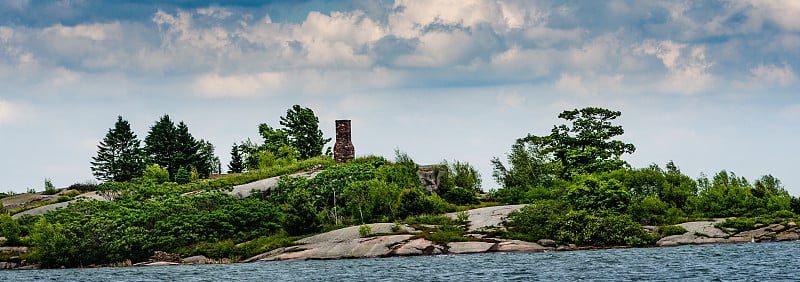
{"x":343,"y":150}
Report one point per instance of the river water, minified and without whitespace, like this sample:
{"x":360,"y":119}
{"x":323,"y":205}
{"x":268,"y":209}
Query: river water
{"x":742,"y":262}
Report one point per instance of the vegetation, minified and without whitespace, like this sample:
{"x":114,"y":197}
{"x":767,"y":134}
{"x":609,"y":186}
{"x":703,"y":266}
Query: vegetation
{"x":581,"y":192}
{"x":119,"y":156}
{"x":577,"y":187}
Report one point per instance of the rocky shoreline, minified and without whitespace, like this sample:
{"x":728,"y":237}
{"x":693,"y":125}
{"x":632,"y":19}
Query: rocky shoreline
{"x":390,"y":239}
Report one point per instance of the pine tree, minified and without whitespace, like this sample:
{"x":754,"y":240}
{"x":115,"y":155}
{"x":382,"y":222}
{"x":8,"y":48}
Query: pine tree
{"x":119,"y":156}
{"x":237,"y":163}
{"x":186,"y":154}
{"x":161,"y":147}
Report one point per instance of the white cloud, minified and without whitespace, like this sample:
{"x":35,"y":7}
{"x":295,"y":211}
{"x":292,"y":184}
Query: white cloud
{"x":246,"y":85}
{"x":215,"y":12}
{"x":781,"y":12}
{"x":772,"y":75}
{"x":96,"y":32}
{"x":688,"y":72}
{"x":11,"y":112}
{"x":511,"y":100}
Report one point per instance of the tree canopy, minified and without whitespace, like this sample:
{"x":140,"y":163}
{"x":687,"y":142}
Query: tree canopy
{"x":119,"y":155}
{"x":303,"y":129}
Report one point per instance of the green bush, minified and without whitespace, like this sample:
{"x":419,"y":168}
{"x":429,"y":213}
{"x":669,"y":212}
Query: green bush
{"x":461,"y":196}
{"x":669,"y":230}
{"x":364,"y":230}
{"x":10,"y":229}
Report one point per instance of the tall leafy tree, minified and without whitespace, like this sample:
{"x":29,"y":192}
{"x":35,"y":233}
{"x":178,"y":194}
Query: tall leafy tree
{"x":303,"y":129}
{"x":587,"y":144}
{"x":119,"y":156}
{"x":237,"y":161}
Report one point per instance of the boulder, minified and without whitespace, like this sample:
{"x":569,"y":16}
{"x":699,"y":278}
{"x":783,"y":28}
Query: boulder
{"x":469,"y":247}
{"x":705,"y":227}
{"x":417,"y":247}
{"x":519,"y":246}
{"x":8,"y":265}
{"x":688,"y":238}
{"x":196,"y":260}
{"x":547,"y":243}
{"x":488,"y":217}
{"x":350,"y":233}
{"x":159,"y":263}
{"x":787,"y":236}
{"x":353,"y":248}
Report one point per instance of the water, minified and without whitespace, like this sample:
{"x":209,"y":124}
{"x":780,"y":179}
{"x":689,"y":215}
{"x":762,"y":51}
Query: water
{"x":742,"y":262}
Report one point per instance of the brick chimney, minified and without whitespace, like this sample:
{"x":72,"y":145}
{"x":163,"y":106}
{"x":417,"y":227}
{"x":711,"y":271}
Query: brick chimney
{"x":343,"y":150}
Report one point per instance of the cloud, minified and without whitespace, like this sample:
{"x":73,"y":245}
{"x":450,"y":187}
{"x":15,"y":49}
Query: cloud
{"x":774,"y":75}
{"x":95,"y":32}
{"x":510,"y":100}
{"x":688,"y":69}
{"x":11,"y":112}
{"x":238,"y":86}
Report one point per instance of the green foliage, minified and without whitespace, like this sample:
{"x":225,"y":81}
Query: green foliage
{"x":462,"y":218}
{"x":94,"y":232}
{"x":587,"y":145}
{"x":173,"y":147}
{"x":153,"y":173}
{"x":669,"y":230}
{"x":182,"y":176}
{"x":555,"y":220}
{"x":49,"y":189}
{"x":411,"y":202}
{"x":237,"y":161}
{"x":10,"y":229}
{"x":52,"y":246}
{"x":300,"y":215}
{"x":302,"y":125}
{"x":459,"y":182}
{"x":84,"y":187}
{"x":119,"y":155}
{"x":590,"y":193}
{"x":364,"y":230}
{"x":461,"y":196}
{"x":530,"y":165}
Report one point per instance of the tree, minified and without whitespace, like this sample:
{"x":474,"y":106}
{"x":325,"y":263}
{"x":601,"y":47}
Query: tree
{"x":586,"y":145}
{"x":161,"y":147}
{"x":302,"y":127}
{"x":119,"y":156}
{"x":529,"y":164}
{"x":237,"y":162}
{"x":173,"y":147}
{"x":206,"y":162}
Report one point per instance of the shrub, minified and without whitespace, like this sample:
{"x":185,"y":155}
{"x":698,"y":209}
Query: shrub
{"x":669,"y":230}
{"x":49,"y":189}
{"x":364,"y":230}
{"x":461,"y":196}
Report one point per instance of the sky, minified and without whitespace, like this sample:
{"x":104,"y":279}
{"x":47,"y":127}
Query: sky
{"x":710,"y":85}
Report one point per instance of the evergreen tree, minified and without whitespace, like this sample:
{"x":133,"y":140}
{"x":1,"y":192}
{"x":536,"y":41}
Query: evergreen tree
{"x":161,"y":145}
{"x":187,"y":150}
{"x":119,"y":156}
{"x":237,"y":162}
{"x":303,"y":128}
{"x":206,"y":162}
